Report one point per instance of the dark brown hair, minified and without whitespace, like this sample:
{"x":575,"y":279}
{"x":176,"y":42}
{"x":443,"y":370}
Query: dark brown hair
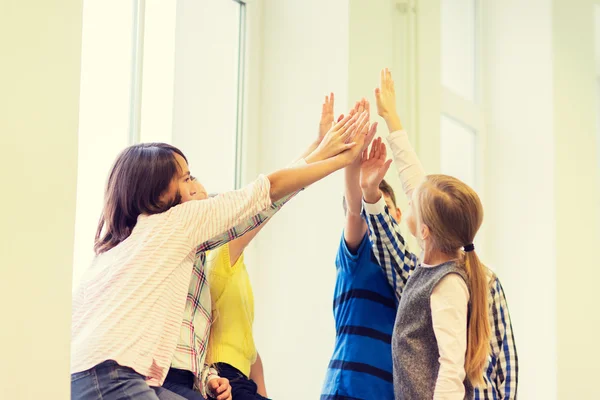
{"x":388,"y":191}
{"x":139,"y":176}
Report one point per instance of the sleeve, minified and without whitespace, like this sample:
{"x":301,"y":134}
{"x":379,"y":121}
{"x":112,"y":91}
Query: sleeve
{"x":208,"y":374}
{"x":449,"y":308}
{"x":249,"y":224}
{"x":202,"y":220}
{"x":389,"y":247}
{"x":503,"y":344}
{"x":218,"y":268}
{"x":347,"y":260}
{"x":409,"y":167}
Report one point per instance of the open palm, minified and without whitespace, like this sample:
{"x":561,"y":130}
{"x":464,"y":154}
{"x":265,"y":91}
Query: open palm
{"x":374,"y":166}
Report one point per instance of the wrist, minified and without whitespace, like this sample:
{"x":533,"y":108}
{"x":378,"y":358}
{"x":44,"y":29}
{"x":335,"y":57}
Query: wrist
{"x":312,"y":153}
{"x":371,"y":195}
{"x":393,"y":122}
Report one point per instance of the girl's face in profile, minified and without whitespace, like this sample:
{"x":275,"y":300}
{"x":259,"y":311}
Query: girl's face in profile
{"x":185,"y":184}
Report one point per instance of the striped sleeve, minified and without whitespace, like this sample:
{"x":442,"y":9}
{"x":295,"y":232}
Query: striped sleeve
{"x":251,"y":223}
{"x":389,"y":247}
{"x":244,"y":227}
{"x":202,"y":220}
{"x":503,"y":345}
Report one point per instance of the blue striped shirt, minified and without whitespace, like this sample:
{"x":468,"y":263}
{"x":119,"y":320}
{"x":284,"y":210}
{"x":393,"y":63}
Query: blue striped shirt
{"x":364,"y":309}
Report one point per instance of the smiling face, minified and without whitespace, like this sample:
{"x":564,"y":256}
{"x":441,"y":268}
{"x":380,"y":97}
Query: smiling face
{"x":184,"y":185}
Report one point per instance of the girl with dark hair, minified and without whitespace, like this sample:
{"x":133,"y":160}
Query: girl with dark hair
{"x":127,"y":311}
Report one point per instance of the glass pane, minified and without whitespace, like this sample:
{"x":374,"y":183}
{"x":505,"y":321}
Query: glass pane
{"x":458,"y":47}
{"x":458,"y":151}
{"x":104,"y":111}
{"x":206,"y":82}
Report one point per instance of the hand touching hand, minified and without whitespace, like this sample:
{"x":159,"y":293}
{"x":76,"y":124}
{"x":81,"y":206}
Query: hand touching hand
{"x":338,"y":139}
{"x":363,"y":136}
{"x":373,"y":169}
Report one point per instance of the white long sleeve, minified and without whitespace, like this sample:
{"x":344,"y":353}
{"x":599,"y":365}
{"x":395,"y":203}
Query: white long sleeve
{"x":409,"y":167}
{"x":449,"y":303}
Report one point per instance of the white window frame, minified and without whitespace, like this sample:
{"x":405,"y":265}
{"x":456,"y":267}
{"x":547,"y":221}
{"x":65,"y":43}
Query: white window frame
{"x":433,"y":100}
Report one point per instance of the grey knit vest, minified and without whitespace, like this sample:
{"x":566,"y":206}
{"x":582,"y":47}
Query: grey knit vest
{"x":414,"y":347}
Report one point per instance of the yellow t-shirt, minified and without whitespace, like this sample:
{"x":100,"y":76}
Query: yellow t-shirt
{"x":231,"y":339}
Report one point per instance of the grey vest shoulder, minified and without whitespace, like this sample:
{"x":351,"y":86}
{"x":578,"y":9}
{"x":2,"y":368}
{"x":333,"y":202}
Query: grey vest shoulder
{"x":414,"y":345}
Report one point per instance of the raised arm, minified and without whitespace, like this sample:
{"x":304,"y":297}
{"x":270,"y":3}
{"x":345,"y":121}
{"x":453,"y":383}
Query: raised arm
{"x":356,"y":226}
{"x":325,"y":138}
{"x":203,"y":220}
{"x":409,"y":167}
{"x":389,"y":247}
{"x":335,"y":152}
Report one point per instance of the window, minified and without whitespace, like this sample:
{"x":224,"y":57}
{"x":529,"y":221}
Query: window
{"x":104,"y":112}
{"x":458,"y":150}
{"x":158,"y":71}
{"x":461,"y":122}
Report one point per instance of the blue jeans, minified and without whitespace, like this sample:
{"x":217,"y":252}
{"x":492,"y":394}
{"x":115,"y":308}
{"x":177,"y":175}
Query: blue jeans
{"x":110,"y":381}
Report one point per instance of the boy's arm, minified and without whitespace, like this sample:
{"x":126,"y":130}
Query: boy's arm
{"x":389,"y":247}
{"x":355,"y":227}
{"x":503,"y":344}
{"x":257,"y":375}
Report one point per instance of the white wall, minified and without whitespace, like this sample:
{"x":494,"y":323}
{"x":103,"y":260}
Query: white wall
{"x":378,"y":38}
{"x":304,"y":56}
{"x":577,"y":198}
{"x":520,"y":168}
{"x":205,"y":89}
{"x":39,"y":76}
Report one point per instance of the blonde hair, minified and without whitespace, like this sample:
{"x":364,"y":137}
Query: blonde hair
{"x":453,"y":213}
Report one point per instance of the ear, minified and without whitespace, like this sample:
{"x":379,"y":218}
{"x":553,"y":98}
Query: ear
{"x":425,"y":233}
{"x":398,"y":215}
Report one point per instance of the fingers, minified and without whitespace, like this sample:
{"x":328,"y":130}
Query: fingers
{"x":341,"y":117}
{"x":386,"y":167}
{"x":382,"y":151}
{"x":342,"y":122}
{"x":388,"y":79}
{"x":361,"y":105}
{"x":373,"y":149}
{"x":364,"y":155}
{"x":350,"y":124}
{"x":358,"y":126}
{"x":371,"y":134}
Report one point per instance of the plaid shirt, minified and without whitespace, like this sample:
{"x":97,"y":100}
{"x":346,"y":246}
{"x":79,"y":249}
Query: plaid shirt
{"x":195,"y":329}
{"x":393,"y":255}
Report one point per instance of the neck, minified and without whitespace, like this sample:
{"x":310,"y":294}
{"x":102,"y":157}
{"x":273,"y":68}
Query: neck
{"x":436,"y":257}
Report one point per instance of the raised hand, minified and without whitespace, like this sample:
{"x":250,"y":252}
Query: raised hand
{"x":363,"y":136}
{"x":373,"y":169}
{"x":339,"y":138}
{"x":326,"y":116}
{"x":385,"y":94}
